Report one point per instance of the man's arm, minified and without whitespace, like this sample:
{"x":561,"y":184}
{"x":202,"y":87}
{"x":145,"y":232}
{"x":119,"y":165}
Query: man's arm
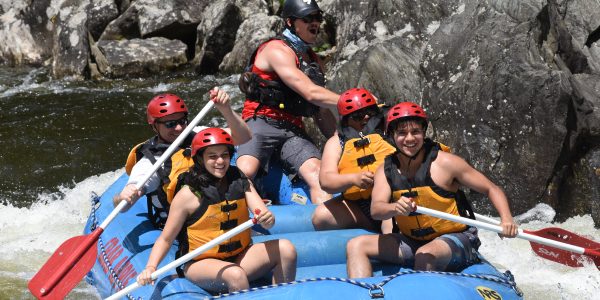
{"x":468,"y":176}
{"x":130,"y":192}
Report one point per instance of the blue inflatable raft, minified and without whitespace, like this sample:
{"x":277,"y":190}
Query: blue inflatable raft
{"x":125,"y":245}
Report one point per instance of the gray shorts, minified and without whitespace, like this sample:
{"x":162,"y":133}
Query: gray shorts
{"x":464,"y":247}
{"x":271,"y":138}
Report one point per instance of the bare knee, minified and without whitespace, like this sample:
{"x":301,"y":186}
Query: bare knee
{"x":321,"y":217}
{"x":357,"y":246}
{"x":425,"y":260}
{"x":248,"y":165}
{"x":310,"y":172}
{"x":287,"y":251}
{"x":234,"y":276}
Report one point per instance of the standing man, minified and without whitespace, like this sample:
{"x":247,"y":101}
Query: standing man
{"x":285,"y":82}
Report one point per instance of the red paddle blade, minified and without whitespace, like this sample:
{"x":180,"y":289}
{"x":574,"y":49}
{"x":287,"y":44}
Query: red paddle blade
{"x":562,"y":256}
{"x":66,"y":267}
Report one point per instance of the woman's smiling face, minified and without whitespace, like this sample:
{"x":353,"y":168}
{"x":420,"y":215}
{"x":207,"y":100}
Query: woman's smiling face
{"x":216,"y":160}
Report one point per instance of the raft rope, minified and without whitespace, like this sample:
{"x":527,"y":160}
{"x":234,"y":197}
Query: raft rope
{"x":376,"y":290}
{"x":95,"y":199}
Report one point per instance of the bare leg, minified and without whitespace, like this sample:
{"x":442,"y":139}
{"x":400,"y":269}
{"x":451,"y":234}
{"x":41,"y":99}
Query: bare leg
{"x":433,"y":256}
{"x":309,"y":171}
{"x":276,"y":255}
{"x":217,"y":276}
{"x":359,"y":250}
{"x":248,"y":165}
{"x":336,"y":213}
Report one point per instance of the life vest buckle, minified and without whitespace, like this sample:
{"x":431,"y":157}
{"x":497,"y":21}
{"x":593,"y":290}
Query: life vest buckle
{"x":362,"y":142}
{"x":228,"y":207}
{"x":230,"y":247}
{"x":421,"y":232}
{"x":226,"y":225}
{"x":411,"y":194}
{"x":365,"y":160}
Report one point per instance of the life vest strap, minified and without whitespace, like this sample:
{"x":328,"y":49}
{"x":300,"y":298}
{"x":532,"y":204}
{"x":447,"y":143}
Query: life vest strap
{"x":360,"y":143}
{"x":410,"y":194}
{"x":421,"y":232}
{"x":366,"y":160}
{"x":229,"y":224}
{"x":230,"y":247}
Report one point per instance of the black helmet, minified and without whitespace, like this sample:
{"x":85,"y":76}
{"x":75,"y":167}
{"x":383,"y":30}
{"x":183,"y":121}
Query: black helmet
{"x":299,"y":8}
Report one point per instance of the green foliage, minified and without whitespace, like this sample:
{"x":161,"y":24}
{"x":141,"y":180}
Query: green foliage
{"x":323,"y":47}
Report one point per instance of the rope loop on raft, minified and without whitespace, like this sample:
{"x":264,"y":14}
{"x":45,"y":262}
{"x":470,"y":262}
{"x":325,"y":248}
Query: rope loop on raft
{"x":95,"y":199}
{"x":376,"y":290}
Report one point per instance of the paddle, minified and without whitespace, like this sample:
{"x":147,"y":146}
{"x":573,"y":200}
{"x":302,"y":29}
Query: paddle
{"x":174,"y":264}
{"x":561,"y":250}
{"x":559,"y":235}
{"x":75,"y":257}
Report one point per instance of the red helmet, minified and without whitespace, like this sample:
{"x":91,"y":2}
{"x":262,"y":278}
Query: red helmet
{"x":210,"y":137}
{"x":353,"y":100}
{"x":164,"y":105}
{"x":405,"y":110}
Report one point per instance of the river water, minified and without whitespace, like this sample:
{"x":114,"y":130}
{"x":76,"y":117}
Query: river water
{"x":63,"y":140}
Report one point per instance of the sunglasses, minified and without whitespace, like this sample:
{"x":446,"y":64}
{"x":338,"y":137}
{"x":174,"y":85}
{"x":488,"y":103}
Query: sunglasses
{"x":173,"y":123}
{"x":312,"y":18}
{"x":360,"y":114}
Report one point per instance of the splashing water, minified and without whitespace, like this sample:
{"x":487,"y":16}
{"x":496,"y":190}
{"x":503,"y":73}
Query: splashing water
{"x":28,"y":236}
{"x":537,"y":277}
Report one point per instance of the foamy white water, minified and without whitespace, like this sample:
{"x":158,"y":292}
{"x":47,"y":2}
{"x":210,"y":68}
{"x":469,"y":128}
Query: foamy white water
{"x":28,"y":236}
{"x":537,"y":277}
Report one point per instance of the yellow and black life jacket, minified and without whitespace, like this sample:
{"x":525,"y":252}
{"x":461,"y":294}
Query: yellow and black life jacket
{"x":427,"y":194}
{"x":217,"y":214}
{"x":362,"y":151}
{"x":179,"y":162}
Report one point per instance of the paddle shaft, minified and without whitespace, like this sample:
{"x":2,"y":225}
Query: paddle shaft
{"x":521,"y":234}
{"x":174,"y":264}
{"x":166,"y":155}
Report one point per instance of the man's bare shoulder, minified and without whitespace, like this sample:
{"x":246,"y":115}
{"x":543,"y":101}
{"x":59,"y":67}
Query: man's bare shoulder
{"x":277,"y":48}
{"x":449,"y":160}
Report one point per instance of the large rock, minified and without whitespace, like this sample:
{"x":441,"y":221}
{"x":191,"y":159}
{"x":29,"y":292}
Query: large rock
{"x":73,"y":22}
{"x":100,"y":14}
{"x":24,"y":32}
{"x":500,"y":99}
{"x":380,"y":44}
{"x":251,"y":33}
{"x":70,"y":43}
{"x":141,"y":57}
{"x":146,"y":18}
{"x":389,"y":69}
{"x":216,"y":35}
